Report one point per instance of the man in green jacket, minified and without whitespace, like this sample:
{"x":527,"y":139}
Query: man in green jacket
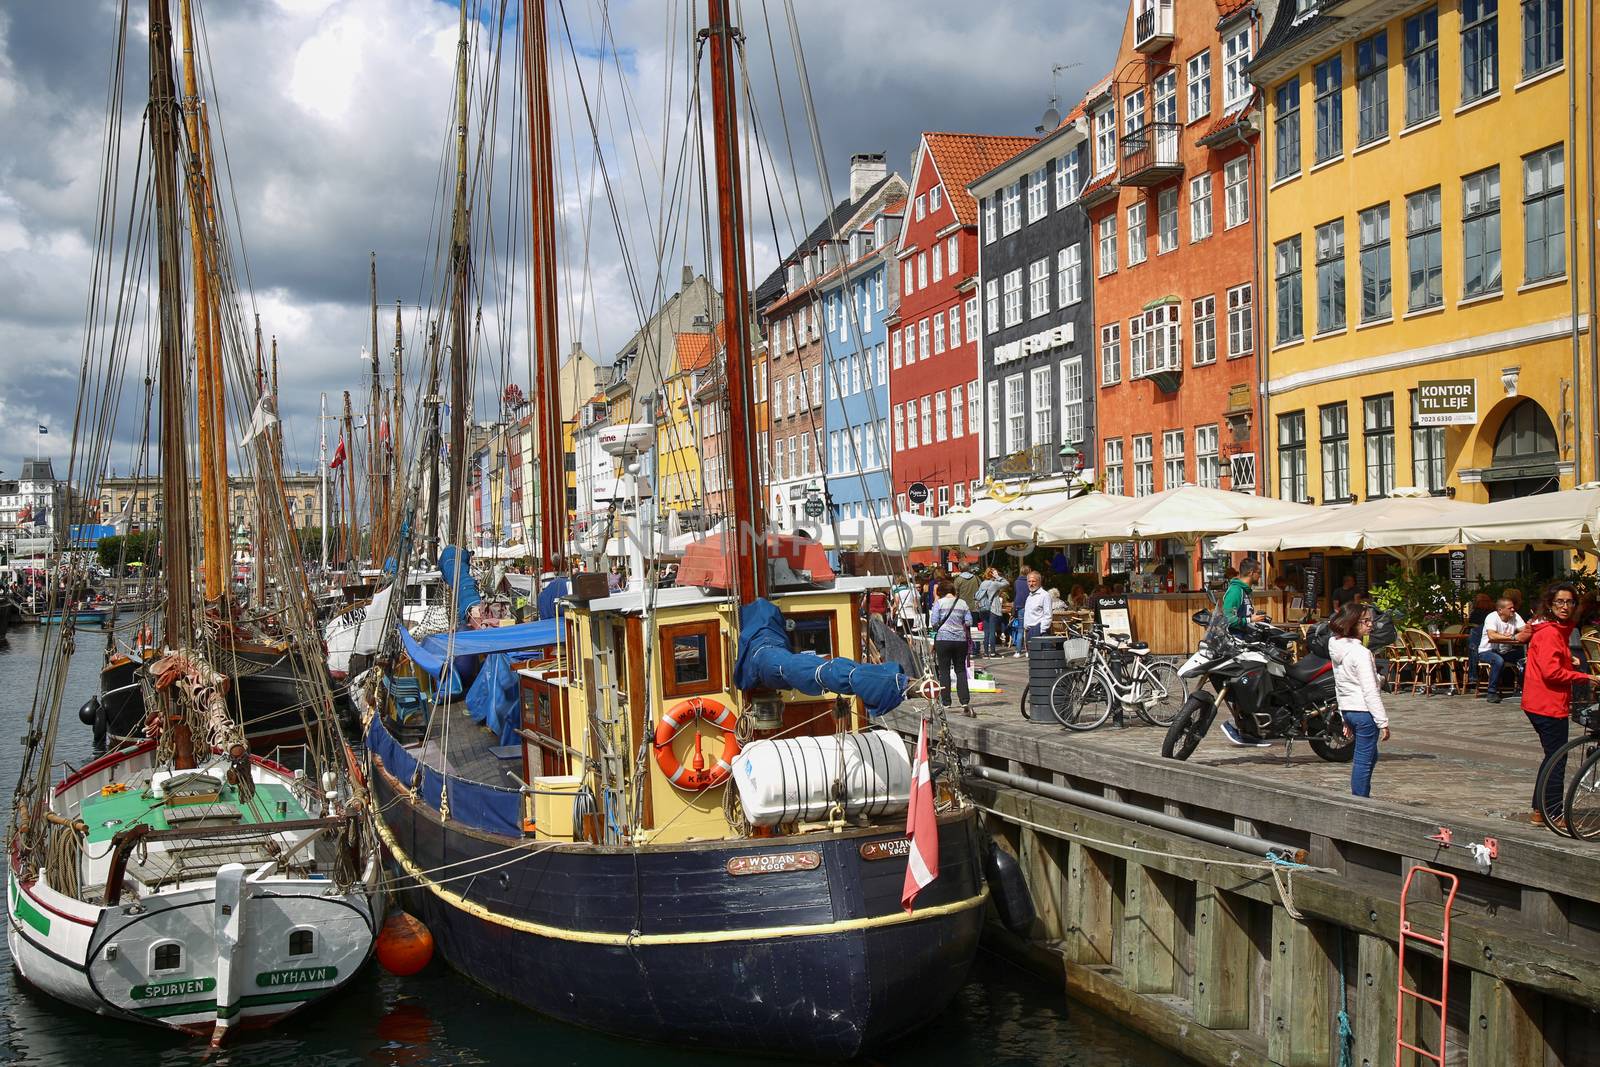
{"x":1237,"y":606}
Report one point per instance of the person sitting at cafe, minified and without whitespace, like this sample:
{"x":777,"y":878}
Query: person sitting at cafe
{"x":1077,"y":599}
{"x":1505,"y":636}
{"x":1346,"y":593}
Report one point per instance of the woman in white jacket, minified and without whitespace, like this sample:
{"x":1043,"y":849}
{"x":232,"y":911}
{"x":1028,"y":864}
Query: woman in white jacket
{"x":1355,"y":680}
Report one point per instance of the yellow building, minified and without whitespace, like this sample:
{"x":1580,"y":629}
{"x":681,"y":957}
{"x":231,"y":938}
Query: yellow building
{"x":678,"y":457}
{"x":1420,"y":263}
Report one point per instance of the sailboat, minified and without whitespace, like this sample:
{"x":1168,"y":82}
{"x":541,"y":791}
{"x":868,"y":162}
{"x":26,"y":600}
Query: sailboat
{"x":682,"y":826}
{"x":179,"y":880}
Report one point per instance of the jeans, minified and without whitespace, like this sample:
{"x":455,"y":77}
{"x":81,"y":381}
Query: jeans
{"x":1366,"y":757}
{"x":950,"y":658}
{"x":991,"y":632}
{"x":1017,"y":643}
{"x":1552,"y":735}
{"x":1497,"y":660}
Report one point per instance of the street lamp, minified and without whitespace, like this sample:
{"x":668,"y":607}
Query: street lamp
{"x":1071,"y":457}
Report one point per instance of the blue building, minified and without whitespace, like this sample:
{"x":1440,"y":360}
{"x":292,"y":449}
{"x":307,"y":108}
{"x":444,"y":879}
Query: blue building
{"x":856,"y":299}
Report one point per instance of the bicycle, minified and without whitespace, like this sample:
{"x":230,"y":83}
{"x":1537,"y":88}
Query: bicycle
{"x":1114,"y":672}
{"x":1582,"y":751}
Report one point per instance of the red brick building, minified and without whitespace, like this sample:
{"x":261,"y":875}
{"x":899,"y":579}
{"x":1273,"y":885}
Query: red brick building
{"x":1170,"y":205}
{"x":933,"y":334}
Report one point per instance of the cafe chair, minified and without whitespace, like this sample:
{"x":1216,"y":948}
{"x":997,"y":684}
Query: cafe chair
{"x":1431,"y":667}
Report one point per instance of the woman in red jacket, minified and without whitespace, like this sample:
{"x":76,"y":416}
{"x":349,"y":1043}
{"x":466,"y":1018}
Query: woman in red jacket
{"x":1547,"y":685}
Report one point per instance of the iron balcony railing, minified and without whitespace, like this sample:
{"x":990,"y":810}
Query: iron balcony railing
{"x":1151,"y":154}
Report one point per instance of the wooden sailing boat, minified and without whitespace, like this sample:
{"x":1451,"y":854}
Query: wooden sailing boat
{"x":179,"y":880}
{"x":644,"y":868}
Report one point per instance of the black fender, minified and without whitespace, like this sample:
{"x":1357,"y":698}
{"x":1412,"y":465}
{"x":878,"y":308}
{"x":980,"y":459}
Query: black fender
{"x":1208,"y":712}
{"x":1009,"y":889}
{"x":86,"y":713}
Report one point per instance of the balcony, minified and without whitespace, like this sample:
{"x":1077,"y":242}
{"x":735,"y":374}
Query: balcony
{"x":1151,"y":154}
{"x":1152,"y":30}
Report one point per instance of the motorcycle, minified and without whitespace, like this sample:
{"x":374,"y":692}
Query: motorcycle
{"x":1271,"y":695}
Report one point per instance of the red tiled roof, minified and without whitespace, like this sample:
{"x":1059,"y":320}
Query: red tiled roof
{"x":963,"y":157}
{"x":693,"y":350}
{"x":1225,"y":122}
{"x":1105,"y":182}
{"x":1229,"y":8}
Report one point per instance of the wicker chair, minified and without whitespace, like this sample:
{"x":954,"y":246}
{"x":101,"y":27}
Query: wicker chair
{"x":1430,"y":663}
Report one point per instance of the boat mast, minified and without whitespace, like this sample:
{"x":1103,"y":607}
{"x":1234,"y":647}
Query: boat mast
{"x":542,"y":268}
{"x":322,"y":471}
{"x":219,"y":427}
{"x":175,"y":561}
{"x":354,"y":554}
{"x":430,"y":400}
{"x":374,"y":425}
{"x":459,"y":261}
{"x":748,"y":517}
{"x":397,"y":402}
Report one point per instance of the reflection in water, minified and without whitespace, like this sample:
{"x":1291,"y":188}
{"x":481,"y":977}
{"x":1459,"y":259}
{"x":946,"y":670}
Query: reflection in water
{"x":1003,"y":1017}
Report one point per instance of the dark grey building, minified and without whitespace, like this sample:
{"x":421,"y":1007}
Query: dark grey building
{"x":1036,"y":311}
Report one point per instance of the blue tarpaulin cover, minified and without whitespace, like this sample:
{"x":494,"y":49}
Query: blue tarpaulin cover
{"x":765,"y":662}
{"x":493,"y":699}
{"x":472,"y":803}
{"x":551,"y":593}
{"x":453,"y":567}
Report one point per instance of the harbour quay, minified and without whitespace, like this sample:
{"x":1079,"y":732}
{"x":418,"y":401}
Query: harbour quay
{"x":1229,"y":959}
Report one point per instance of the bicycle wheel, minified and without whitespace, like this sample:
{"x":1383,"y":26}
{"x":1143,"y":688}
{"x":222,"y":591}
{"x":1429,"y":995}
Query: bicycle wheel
{"x":1583,"y":799}
{"x":1572,"y":756}
{"x":1164,"y":693}
{"x":1081,"y":699}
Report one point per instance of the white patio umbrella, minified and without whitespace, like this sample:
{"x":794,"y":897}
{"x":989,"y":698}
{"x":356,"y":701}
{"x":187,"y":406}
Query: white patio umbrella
{"x":1567,"y":519}
{"x":1408,"y":525}
{"x":1049,"y":524}
{"x":1186,"y":513}
{"x":960,"y":527}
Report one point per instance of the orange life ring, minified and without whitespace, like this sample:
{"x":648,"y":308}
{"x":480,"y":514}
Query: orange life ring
{"x":695,"y":776}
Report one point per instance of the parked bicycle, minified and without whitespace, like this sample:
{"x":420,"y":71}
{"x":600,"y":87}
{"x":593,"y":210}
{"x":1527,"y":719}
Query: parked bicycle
{"x":1107,"y":671}
{"x":1580,"y":815}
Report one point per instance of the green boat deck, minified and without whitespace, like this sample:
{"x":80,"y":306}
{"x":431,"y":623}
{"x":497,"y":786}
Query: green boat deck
{"x":106,"y":815}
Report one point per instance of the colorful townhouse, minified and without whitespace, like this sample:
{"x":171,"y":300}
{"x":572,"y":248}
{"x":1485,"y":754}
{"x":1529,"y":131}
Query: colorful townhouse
{"x":1174,"y":151}
{"x":1425,"y":274}
{"x":1037,"y":332}
{"x":856,"y":300}
{"x":789,"y":304}
{"x":933,"y":335}
{"x":678,"y":482}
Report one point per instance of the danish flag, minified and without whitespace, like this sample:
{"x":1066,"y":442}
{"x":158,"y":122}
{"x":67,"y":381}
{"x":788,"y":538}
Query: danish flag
{"x":922,"y":826}
{"x":338,"y":455}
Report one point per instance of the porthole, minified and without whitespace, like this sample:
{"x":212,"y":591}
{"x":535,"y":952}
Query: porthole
{"x":302,"y":943}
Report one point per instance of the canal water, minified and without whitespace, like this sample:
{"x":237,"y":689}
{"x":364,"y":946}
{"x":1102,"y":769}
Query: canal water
{"x":1003,"y":1017}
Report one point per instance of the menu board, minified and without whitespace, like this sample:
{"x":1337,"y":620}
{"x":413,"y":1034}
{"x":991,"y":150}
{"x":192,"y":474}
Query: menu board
{"x":1111,"y":612}
{"x":1458,"y":567}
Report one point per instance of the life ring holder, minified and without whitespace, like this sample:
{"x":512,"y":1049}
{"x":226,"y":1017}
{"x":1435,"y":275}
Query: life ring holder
{"x":695,"y":776}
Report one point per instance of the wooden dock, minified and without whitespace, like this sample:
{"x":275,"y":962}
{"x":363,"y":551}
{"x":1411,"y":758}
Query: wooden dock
{"x":1193,"y":944}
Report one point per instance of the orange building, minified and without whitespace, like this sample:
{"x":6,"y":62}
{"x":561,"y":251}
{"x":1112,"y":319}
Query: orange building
{"x":1170,"y":208}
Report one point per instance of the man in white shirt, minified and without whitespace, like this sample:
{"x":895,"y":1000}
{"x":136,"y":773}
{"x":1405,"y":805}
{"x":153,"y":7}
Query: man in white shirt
{"x":1036,"y":611}
{"x":1503,"y":641}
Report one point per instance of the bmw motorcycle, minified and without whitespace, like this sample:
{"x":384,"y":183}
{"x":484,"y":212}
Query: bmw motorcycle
{"x":1270,"y":695}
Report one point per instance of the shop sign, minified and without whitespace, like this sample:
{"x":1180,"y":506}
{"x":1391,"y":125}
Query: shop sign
{"x":1039,"y":342}
{"x":1447,"y":402}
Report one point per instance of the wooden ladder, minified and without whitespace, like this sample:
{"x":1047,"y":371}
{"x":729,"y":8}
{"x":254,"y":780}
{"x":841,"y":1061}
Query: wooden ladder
{"x":1448,"y":883}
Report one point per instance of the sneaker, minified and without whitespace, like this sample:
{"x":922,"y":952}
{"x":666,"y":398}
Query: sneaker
{"x":966,"y":709}
{"x":1492,"y":698}
{"x":1231,"y":732}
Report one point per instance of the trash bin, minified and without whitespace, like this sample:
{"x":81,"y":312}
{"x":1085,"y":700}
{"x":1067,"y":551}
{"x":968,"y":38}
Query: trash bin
{"x":1046,"y":661}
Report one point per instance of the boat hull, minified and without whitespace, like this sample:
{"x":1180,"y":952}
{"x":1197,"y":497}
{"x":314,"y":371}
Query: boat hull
{"x":815,"y":958}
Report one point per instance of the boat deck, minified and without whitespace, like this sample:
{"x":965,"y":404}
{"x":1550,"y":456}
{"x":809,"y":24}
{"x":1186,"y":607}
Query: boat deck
{"x":107,"y":814}
{"x":471,"y":752}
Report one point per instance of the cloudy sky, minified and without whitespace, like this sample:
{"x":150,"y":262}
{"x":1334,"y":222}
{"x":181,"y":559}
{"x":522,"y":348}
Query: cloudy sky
{"x":336,"y":119}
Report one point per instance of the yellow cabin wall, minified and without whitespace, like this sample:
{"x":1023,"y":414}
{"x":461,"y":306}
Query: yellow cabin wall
{"x":677,"y":448}
{"x":1527,"y":327}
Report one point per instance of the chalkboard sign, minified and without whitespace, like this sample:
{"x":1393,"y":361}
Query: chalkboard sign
{"x":1111,"y":612}
{"x":1314,"y":566}
{"x":1458,"y":567}
{"x":1358,"y":566}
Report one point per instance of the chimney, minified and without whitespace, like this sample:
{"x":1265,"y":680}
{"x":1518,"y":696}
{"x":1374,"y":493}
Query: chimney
{"x":866,"y":170}
{"x":688,"y":277}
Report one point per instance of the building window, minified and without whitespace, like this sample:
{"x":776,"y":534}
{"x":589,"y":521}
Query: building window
{"x":1480,"y":49}
{"x":1330,"y":108}
{"x":1164,"y":108}
{"x":935,"y":197}
{"x":1038,"y":195}
{"x":1480,"y":232}
{"x":1016,"y":415}
{"x":1198,"y":72}
{"x":1241,"y":321}
{"x":1038,"y":287}
{"x":1105,"y":140}
{"x":1167,"y":220}
{"x":1111,"y":354}
{"x":1236,"y":192}
{"x":1372,"y":88}
{"x":1068,"y":179}
{"x":1422,"y":66}
{"x":1292,"y":456}
{"x":923,"y":349}
{"x":927,"y":420}
{"x":972,"y":405}
{"x":1541,"y":36}
{"x":1043,"y":402}
{"x":1163,"y":337}
{"x":1072,"y":401}
{"x":1144,"y":465}
{"x":955,"y":411}
{"x":1136,"y":233}
{"x":1205,"y":330}
{"x":1136,"y":363}
{"x":938,"y":334}
{"x":938,"y":262}
{"x":1242,"y":472}
{"x":1334,"y":420}
{"x":991,"y":304}
{"x":1012,"y":298}
{"x":1113,"y":466}
{"x":922,"y":208}
{"x":912,"y":438}
{"x":1200,"y":207}
{"x":1235,"y":79}
{"x":991,"y":228}
{"x":1376,"y":299}
{"x":894,"y":350}
{"x":1172,"y":472}
{"x":1424,"y":251}
{"x":1286,"y":276}
{"x":1069,"y":275}
{"x":954,"y":317}
{"x":1543,"y":214}
{"x":1207,"y":462}
{"x":1427,"y":453}
{"x":1108,"y":244}
{"x":951,"y":250}
{"x":899,"y":428}
{"x":922,"y":270}
{"x":941,"y":424}
{"x":994,"y":420}
{"x":1011,"y":208}
{"x":1377,"y":416}
{"x":1330,"y":276}
{"x":1132,"y":113}
{"x":1286,"y":129}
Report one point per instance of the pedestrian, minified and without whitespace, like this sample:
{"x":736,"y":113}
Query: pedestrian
{"x":952,"y":621}
{"x":1500,"y":642}
{"x":1547,"y":689}
{"x":1036,"y":609}
{"x":998,"y":605}
{"x":907,"y":605}
{"x":982,"y":602}
{"x":1355,"y":683}
{"x":967,"y":585}
{"x":1237,"y":606}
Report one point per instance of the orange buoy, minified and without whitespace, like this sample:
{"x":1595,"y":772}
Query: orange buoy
{"x":404,"y":945}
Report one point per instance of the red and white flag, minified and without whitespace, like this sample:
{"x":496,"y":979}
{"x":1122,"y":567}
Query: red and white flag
{"x":338,"y":455}
{"x":922,"y":826}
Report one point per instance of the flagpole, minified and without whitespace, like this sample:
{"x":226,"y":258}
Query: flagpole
{"x":322,"y":469}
